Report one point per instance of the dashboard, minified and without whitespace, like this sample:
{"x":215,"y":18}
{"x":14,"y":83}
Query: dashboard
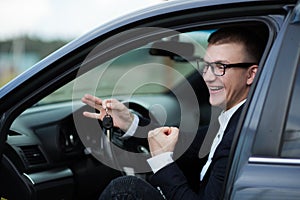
{"x":54,"y":152}
{"x":51,"y":159}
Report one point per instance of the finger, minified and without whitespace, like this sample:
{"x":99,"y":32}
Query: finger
{"x":166,"y":130}
{"x":87,"y":98}
{"x":150,"y":133}
{"x":91,"y":99}
{"x":113,"y":104}
{"x":174,"y":130}
{"x":153,"y":138}
{"x":158,"y":131}
{"x":106,"y":104}
{"x":88,"y":102}
{"x":92,"y":115}
{"x":93,"y":105}
{"x":153,"y":133}
{"x":174,"y":134}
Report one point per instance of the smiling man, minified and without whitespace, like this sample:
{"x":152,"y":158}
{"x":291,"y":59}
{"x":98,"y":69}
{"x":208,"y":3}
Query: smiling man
{"x":228,"y":68}
{"x":236,"y":55}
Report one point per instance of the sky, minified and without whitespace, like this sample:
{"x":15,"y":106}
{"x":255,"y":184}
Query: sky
{"x":61,"y":19}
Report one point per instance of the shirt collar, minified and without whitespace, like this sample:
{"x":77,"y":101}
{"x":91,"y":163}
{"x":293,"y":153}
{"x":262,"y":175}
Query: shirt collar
{"x":226,"y":115}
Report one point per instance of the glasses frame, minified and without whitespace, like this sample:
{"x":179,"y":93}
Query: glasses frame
{"x":225,"y":66}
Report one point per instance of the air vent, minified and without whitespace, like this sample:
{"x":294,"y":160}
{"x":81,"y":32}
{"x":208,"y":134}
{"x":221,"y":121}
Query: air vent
{"x":33,"y":155}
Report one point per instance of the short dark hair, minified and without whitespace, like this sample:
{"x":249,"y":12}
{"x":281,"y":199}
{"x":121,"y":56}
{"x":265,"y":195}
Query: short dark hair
{"x":240,"y":34}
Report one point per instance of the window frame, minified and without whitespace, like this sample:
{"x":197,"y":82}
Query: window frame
{"x":255,"y":160}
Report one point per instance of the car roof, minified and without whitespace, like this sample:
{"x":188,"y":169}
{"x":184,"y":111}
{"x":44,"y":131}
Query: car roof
{"x":170,"y":7}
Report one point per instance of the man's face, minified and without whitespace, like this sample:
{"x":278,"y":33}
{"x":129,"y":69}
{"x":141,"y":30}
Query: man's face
{"x":228,"y":90}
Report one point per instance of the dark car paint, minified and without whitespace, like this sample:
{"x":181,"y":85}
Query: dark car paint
{"x":26,"y":89}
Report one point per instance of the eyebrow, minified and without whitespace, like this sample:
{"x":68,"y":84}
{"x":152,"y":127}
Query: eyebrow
{"x":218,"y":61}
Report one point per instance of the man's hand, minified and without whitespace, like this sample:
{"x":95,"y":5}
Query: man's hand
{"x":120,"y":113}
{"x":162,"y":140}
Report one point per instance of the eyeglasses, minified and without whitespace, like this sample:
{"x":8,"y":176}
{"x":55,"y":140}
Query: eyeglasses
{"x":218,"y":68}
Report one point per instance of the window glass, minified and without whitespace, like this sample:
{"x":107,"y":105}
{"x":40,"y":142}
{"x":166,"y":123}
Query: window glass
{"x":291,"y":137}
{"x":137,"y":71}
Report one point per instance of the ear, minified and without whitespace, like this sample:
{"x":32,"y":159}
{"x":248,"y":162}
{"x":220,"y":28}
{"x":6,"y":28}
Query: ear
{"x":251,"y":72}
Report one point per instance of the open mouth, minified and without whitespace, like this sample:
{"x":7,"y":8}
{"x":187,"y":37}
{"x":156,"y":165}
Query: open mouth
{"x":215,"y":89}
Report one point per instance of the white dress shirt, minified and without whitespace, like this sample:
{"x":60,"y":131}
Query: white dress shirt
{"x":158,"y":162}
{"x":131,"y":130}
{"x":223,"y":121}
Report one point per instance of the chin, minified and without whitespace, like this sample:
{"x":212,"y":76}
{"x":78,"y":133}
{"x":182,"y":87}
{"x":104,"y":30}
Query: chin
{"x":217,"y":103}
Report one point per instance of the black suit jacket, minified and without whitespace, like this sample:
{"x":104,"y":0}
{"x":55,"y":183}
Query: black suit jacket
{"x":177,"y":182}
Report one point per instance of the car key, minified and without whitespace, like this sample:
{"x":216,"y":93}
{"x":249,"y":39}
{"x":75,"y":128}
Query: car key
{"x":108,"y":125}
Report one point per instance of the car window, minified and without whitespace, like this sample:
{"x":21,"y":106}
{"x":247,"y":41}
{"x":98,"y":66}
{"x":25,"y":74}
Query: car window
{"x":137,"y":71}
{"x":291,"y":137}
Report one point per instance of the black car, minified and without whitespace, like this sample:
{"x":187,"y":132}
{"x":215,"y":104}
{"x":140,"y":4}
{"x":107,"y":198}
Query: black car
{"x":148,"y":60}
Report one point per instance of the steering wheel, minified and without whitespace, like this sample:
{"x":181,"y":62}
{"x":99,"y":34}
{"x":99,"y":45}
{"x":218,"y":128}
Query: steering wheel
{"x":116,"y":152}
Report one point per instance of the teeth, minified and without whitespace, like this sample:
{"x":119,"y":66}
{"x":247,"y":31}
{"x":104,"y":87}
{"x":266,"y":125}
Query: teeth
{"x":215,"y":88}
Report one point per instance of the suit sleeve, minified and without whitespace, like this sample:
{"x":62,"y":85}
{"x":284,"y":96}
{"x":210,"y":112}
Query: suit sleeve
{"x":178,"y":180}
{"x":181,"y":180}
{"x":174,"y":184}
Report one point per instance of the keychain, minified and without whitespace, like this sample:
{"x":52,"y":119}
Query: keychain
{"x":108,"y":125}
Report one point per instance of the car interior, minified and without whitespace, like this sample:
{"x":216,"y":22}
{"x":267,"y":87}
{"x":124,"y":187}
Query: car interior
{"x":54,"y":152}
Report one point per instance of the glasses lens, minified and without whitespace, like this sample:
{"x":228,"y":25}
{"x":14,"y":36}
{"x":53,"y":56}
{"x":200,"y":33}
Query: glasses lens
{"x":218,"y":69}
{"x":202,"y":66}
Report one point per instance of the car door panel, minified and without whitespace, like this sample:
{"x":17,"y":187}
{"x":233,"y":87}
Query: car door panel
{"x":260,"y":172}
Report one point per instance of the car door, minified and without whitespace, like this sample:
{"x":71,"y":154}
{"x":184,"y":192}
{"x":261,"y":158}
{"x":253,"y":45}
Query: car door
{"x":266,"y":162}
{"x":60,"y":68}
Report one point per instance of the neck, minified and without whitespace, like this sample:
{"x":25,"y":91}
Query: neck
{"x":235,"y":105}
